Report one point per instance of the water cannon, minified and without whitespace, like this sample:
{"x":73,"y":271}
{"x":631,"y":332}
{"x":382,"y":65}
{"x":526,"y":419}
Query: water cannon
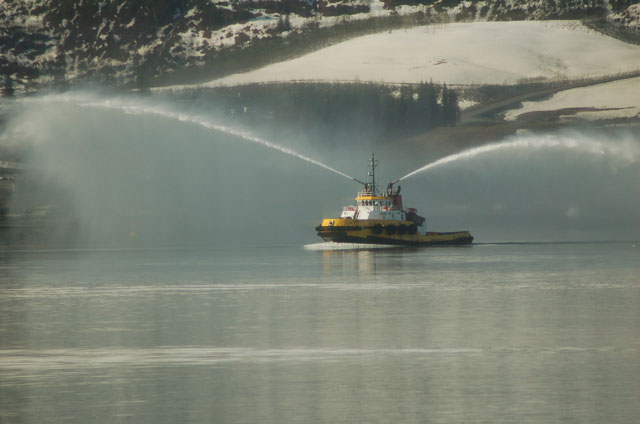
{"x":358,"y":181}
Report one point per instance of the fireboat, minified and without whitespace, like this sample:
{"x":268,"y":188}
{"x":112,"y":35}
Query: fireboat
{"x":378,"y":217}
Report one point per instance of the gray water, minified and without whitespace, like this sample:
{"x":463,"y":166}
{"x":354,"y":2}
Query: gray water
{"x":495,"y":333}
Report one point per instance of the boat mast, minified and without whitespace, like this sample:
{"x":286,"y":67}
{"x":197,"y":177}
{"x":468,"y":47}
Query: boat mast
{"x":374,"y":163}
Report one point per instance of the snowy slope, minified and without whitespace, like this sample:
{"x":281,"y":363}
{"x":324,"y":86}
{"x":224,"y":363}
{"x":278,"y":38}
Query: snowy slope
{"x":617,"y":99}
{"x":469,"y":53}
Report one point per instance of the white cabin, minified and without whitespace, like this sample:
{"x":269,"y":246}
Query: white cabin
{"x":370,"y":206}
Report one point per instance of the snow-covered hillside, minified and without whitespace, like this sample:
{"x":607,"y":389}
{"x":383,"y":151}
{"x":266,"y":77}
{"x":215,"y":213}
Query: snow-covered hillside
{"x":44,"y":42}
{"x":469,"y":53}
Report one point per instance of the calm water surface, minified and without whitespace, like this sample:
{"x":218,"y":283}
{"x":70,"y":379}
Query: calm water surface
{"x":527,"y":333}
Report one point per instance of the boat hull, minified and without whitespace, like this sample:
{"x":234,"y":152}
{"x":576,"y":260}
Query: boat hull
{"x":387,"y":232}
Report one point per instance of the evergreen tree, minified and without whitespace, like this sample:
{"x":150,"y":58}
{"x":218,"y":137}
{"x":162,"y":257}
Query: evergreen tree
{"x":454,"y":108}
{"x":450,"y":108}
{"x":284,"y":23}
{"x":444,"y":104}
{"x":7,"y":88}
{"x":427,"y":104}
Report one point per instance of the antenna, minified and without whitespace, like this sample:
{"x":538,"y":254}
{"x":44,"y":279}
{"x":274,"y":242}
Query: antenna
{"x":374,"y":163}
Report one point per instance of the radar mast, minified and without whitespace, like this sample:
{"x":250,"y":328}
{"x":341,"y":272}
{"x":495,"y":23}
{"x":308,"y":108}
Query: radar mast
{"x":374,"y":164}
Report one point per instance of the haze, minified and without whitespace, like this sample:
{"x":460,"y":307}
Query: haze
{"x":143,"y":179}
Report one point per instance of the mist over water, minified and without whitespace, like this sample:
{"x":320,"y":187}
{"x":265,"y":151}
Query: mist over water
{"x":137,"y":106}
{"x":132,"y":170}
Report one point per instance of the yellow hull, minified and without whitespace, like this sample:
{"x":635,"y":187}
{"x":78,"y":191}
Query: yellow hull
{"x":386,"y":232}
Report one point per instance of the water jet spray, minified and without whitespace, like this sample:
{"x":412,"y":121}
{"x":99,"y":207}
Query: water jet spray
{"x":623,"y":151}
{"x":132,"y":106}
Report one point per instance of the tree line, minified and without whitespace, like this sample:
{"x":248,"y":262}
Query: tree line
{"x":374,"y":110}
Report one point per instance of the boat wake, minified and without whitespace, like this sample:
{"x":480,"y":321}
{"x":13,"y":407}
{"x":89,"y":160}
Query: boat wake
{"x":348,"y":246}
